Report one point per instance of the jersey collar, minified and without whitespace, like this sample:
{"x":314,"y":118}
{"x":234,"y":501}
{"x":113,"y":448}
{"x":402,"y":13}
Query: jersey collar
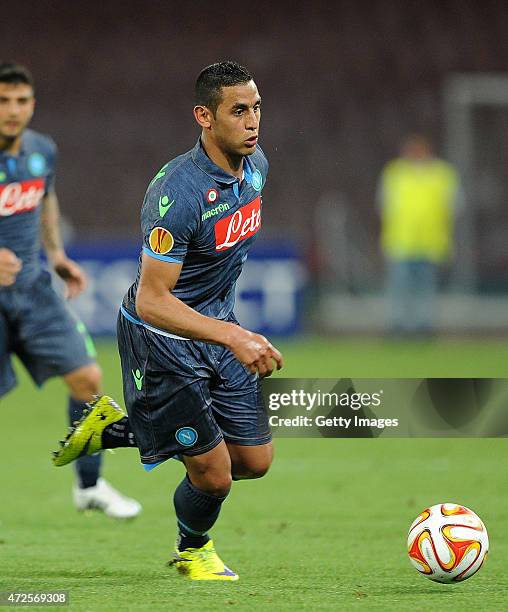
{"x":22,"y":148}
{"x":201,"y":159}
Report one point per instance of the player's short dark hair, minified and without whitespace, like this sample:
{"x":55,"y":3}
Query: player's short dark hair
{"x":15,"y":74}
{"x":213,"y":78}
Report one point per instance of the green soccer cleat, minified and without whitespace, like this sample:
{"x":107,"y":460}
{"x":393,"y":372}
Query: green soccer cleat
{"x":86,"y":437}
{"x":202,"y":564}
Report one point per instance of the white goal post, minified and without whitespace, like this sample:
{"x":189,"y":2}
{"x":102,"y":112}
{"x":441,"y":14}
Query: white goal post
{"x":463,"y":95}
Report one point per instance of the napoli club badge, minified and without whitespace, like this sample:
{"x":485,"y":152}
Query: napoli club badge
{"x":36,"y":164}
{"x":257,"y":180}
{"x":186,"y":436}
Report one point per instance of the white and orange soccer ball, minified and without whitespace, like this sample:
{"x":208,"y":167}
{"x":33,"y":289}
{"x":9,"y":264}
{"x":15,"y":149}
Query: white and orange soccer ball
{"x":447,"y":543}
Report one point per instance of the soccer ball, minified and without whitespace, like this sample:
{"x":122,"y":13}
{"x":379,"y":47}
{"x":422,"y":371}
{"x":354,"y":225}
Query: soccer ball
{"x":447,"y":543}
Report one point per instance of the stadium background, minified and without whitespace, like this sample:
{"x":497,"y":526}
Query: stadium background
{"x":341,"y":82}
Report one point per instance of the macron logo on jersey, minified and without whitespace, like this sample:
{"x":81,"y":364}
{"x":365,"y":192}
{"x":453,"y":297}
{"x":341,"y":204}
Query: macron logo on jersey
{"x":242,"y":224}
{"x":21,"y":197}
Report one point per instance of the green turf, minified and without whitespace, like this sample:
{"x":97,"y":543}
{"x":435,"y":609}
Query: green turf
{"x":324,"y":531}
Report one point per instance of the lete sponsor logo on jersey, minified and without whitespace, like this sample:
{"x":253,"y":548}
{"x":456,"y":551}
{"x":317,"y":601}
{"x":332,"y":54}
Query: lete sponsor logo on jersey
{"x":242,"y":224}
{"x":20,"y":197}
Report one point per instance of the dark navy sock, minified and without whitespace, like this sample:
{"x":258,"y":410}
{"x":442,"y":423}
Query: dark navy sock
{"x":118,"y":435}
{"x":88,"y":467}
{"x":196,"y":513}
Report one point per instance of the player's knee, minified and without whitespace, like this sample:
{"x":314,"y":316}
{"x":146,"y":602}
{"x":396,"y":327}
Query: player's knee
{"x":222,"y":486}
{"x":217,"y":484}
{"x":251,"y":462}
{"x":211,"y":471}
{"x":259,"y":470}
{"x":93,"y":377}
{"x":250,"y":471}
{"x":252,"y":467}
{"x":84,"y":382}
{"x":215,"y":479}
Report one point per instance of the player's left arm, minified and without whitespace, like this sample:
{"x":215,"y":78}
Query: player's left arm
{"x":68,"y":270}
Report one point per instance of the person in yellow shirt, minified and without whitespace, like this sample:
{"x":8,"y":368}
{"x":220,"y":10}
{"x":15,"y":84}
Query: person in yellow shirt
{"x":418,"y":196}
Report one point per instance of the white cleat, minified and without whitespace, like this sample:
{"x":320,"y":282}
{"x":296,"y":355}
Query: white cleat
{"x":107,"y":499}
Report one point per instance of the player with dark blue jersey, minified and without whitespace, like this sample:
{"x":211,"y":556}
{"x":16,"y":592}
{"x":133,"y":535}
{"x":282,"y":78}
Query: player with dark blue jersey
{"x":191,"y":373}
{"x":204,"y":220}
{"x":35,"y":323}
{"x":195,"y":212}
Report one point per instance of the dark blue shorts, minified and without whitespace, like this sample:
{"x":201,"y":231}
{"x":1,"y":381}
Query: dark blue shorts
{"x":37,"y":326}
{"x":185,"y":396}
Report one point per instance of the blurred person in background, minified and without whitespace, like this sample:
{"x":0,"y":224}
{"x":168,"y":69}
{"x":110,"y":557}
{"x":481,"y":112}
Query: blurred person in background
{"x":35,"y":323}
{"x":418,"y":197}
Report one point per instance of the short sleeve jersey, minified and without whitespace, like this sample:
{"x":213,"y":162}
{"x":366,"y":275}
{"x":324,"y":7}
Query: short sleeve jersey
{"x":196,"y":214}
{"x":24,"y":180}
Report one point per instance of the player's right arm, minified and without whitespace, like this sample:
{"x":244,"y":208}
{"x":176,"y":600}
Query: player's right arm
{"x":156,"y":305}
{"x":10,"y":265}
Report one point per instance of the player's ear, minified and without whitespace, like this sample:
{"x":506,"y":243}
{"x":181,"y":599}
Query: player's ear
{"x":203,"y":116}
{"x":32,"y":109}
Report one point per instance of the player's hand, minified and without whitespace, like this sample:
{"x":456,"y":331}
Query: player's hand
{"x":10,"y":265}
{"x":73,"y":276}
{"x":255,"y":352}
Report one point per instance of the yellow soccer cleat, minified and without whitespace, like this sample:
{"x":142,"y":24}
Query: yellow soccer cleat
{"x":86,"y":437}
{"x":202,"y":564}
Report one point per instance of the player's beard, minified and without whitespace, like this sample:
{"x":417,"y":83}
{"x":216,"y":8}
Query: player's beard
{"x":251,"y":150}
{"x":232,"y":152}
{"x":21,"y":123}
{"x":240,"y":150}
{"x":232,"y":148}
{"x":7,"y":140}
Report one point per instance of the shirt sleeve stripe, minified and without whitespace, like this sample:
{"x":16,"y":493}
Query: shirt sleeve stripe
{"x":161,"y":257}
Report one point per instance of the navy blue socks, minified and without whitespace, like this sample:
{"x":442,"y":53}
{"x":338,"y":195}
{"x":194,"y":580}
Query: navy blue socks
{"x":196,"y":513}
{"x":118,"y":435}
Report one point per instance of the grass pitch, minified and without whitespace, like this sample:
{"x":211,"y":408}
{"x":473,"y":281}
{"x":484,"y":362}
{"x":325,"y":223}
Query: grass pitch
{"x":325,"y":530}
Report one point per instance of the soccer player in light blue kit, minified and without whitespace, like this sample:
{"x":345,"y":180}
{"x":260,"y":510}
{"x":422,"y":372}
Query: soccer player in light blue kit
{"x":35,"y":323}
{"x":190,"y":371}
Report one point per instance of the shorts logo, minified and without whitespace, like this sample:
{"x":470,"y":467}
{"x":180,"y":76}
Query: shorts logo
{"x":257,"y":180}
{"x":36,"y":164}
{"x":242,"y":224}
{"x":186,"y":436}
{"x":89,"y":345}
{"x":138,"y":379}
{"x":211,"y":196}
{"x":161,"y":240}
